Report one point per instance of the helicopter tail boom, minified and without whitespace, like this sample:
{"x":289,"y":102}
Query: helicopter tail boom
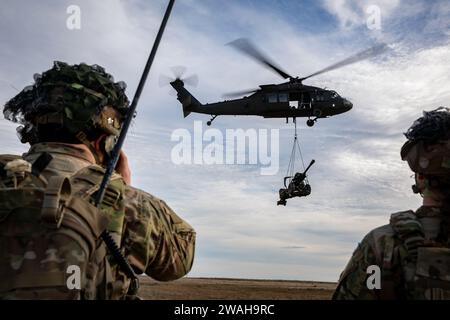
{"x":188,"y":101}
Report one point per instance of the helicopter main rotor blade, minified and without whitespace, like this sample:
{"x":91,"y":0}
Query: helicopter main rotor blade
{"x":366,"y":54}
{"x":245,"y":46}
{"x":238,"y":93}
{"x":9,"y":84}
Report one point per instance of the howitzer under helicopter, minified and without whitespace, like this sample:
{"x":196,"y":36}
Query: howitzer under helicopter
{"x":291,"y":99}
{"x":297,"y":187}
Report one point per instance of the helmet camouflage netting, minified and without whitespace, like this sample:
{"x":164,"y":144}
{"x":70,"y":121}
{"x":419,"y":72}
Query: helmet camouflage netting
{"x":432,"y":126}
{"x":72,"y":96}
{"x":427,"y":150}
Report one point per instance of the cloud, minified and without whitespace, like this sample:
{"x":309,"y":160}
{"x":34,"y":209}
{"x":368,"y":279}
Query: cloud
{"x":353,"y":13}
{"x":358,"y":179}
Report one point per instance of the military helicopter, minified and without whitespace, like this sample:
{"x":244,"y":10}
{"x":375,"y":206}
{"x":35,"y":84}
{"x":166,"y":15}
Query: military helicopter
{"x":291,"y":99}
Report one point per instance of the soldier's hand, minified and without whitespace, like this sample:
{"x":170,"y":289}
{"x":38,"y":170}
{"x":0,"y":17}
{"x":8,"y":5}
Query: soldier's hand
{"x":122,"y":167}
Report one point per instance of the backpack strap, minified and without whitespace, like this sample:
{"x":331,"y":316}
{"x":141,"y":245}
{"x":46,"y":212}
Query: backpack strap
{"x":41,"y":163}
{"x":55,"y":197}
{"x":408,"y":228}
{"x":383,"y":246}
{"x":388,"y":278}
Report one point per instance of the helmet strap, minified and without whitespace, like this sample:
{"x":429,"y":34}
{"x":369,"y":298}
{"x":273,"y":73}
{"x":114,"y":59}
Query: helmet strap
{"x":420,"y":184}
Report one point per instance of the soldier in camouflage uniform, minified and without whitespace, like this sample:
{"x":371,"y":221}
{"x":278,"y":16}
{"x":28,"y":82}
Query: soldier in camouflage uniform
{"x":413,"y":250}
{"x":70,"y":117}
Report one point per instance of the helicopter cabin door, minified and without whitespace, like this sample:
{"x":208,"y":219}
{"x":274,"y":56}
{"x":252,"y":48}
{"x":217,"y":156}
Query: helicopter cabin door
{"x":300,"y":100}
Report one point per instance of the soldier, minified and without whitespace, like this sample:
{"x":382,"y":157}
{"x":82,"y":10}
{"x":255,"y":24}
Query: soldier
{"x":49,"y":227}
{"x":413,"y":250}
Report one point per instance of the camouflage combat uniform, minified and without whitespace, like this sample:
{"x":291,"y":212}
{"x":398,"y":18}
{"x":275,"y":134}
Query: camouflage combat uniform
{"x":154,"y":239}
{"x":413,"y":253}
{"x":50,"y":223}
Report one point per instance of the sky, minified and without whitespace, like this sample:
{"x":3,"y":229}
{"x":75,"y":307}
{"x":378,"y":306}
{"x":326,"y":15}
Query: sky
{"x":358,"y":179}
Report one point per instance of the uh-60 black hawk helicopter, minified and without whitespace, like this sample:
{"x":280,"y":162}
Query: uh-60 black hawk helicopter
{"x":291,"y":99}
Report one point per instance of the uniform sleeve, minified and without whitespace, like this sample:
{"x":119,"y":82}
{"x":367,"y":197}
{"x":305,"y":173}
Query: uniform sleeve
{"x":352,"y":283}
{"x":157,"y":241}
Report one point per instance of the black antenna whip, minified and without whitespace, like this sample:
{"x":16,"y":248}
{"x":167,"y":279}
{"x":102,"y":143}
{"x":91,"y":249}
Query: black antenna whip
{"x":115,"y":154}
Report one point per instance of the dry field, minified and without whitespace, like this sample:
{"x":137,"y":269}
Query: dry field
{"x":235,"y":289}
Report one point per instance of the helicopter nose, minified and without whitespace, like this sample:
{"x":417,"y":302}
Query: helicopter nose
{"x":348,"y":105}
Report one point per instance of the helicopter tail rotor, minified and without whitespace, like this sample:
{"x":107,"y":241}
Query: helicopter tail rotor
{"x":188,"y":101}
{"x":178,"y":72}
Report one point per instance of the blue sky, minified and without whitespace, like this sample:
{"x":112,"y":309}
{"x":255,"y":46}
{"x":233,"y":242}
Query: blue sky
{"x":358,"y":180}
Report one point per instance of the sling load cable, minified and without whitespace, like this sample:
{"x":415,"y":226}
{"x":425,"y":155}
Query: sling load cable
{"x":291,"y":166}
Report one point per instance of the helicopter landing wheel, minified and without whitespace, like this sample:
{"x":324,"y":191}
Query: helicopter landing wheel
{"x":211,"y":120}
{"x":310,"y":122}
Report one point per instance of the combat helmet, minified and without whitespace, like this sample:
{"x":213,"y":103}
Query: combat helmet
{"x":73,"y":101}
{"x":427,"y":150}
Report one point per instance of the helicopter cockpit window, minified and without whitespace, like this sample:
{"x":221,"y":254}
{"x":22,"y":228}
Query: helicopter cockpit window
{"x":283,"y":97}
{"x":334,"y":94}
{"x":272,"y":98}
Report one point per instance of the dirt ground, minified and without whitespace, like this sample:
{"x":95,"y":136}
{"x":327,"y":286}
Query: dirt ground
{"x":234,"y":289}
